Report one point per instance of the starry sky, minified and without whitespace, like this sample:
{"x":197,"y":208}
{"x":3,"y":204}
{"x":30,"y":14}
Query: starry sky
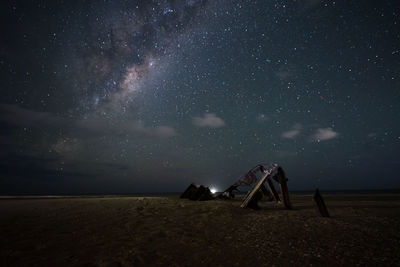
{"x":101,"y":97}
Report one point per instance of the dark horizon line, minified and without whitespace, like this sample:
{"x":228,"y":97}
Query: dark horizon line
{"x":152,"y":194}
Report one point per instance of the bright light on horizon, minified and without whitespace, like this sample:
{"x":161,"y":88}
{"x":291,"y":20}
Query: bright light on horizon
{"x":213,"y":190}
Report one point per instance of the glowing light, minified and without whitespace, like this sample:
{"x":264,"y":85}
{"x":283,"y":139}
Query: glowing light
{"x":213,"y":190}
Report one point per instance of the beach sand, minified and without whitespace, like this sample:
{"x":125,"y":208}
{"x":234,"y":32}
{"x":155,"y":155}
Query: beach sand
{"x":151,"y":231}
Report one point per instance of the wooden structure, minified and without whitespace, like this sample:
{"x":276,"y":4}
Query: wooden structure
{"x":250,"y":201}
{"x":264,"y":187}
{"x":255,"y":189}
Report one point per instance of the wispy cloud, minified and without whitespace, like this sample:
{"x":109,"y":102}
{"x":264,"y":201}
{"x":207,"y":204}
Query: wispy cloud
{"x":18,"y":116}
{"x":294,"y":132}
{"x":156,"y":132}
{"x":84,"y":127}
{"x":323,"y":134}
{"x":291,"y":134}
{"x":209,"y":120}
{"x":98,"y":126}
{"x":262,"y":117}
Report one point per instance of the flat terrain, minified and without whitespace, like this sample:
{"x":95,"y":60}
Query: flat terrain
{"x":147,"y":231}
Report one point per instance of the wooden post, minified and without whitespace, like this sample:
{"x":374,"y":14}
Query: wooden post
{"x":285,"y":194}
{"x":282,"y":180}
{"x":273,"y":190}
{"x":267,"y":193}
{"x":320,"y":203}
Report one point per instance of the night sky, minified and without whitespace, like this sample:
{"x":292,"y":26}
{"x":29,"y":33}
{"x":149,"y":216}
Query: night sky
{"x":149,"y":96}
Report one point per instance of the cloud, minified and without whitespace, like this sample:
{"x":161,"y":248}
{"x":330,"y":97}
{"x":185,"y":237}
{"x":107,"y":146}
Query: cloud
{"x":294,"y":132}
{"x":209,"y":120}
{"x":95,"y":125}
{"x":156,"y":132}
{"x":67,"y":147}
{"x":323,"y":134}
{"x":23,"y":117}
{"x":291,"y":134}
{"x":87,"y":126}
{"x":262,"y":117}
{"x":34,"y":167}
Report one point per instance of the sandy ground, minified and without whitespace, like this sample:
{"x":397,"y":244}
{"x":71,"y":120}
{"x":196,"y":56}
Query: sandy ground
{"x":167,"y":231}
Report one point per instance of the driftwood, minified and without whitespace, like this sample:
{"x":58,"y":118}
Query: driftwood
{"x":320,"y":204}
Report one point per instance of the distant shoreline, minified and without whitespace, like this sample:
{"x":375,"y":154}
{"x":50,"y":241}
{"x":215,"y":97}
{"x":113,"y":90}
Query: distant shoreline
{"x":169,"y":194}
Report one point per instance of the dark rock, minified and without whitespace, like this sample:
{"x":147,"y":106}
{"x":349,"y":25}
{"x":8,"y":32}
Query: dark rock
{"x":197,"y":192}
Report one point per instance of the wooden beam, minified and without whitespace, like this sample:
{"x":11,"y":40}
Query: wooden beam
{"x":273,"y":190}
{"x":267,"y":193}
{"x":285,"y":194}
{"x":254,"y":190}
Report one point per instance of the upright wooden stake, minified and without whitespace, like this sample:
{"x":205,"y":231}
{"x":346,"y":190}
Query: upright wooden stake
{"x":320,"y":203}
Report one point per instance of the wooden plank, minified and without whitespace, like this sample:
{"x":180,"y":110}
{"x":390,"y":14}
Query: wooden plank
{"x":254,"y":190}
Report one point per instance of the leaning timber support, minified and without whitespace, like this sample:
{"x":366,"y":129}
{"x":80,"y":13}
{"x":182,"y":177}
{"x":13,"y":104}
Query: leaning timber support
{"x":253,"y":192}
{"x":320,"y":203}
{"x":285,"y":195}
{"x":267,"y":193}
{"x":282,"y":180}
{"x":271,"y":188}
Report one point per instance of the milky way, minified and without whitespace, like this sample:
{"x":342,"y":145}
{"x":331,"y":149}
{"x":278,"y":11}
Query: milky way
{"x":148,"y":96}
{"x":127,"y":44}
